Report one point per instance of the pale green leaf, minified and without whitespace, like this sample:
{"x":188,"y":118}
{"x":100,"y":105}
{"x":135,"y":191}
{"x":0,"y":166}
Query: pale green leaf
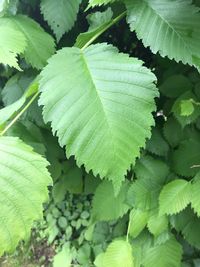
{"x":174,"y":197}
{"x":118,"y":254}
{"x":61,"y":15}
{"x":63,"y":258}
{"x":108,"y":97}
{"x":107,"y":206}
{"x":93,"y":3}
{"x":12,"y":43}
{"x":98,"y":18}
{"x":40,"y":45}
{"x":23,"y":181}
{"x":187,"y":107}
{"x":137,"y":222}
{"x":144,"y":192}
{"x":167,"y":254}
{"x":157,"y":224}
{"x":168,"y":27}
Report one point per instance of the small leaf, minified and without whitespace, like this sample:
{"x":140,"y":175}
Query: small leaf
{"x":137,"y":222}
{"x":187,"y":107}
{"x":174,"y":197}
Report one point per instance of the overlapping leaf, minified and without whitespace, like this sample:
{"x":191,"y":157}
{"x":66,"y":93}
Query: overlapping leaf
{"x":40,"y":45}
{"x":23,"y":181}
{"x":168,"y":27}
{"x":61,"y":15}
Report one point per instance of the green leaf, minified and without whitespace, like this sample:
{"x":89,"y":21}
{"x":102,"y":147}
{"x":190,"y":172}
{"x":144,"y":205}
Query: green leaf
{"x":137,"y":222}
{"x":107,"y":206}
{"x":188,"y":224}
{"x":172,"y":131}
{"x":40,"y":45}
{"x":157,"y":144}
{"x":118,"y":254}
{"x":7,"y":112}
{"x":175,"y":85}
{"x":164,"y":255}
{"x":186,"y":157}
{"x":109,"y":100}
{"x":144,"y":192}
{"x":97,"y":19}
{"x":157,"y":224}
{"x":170,"y":29}
{"x":93,"y":3}
{"x":23,"y":181}
{"x":195,"y":189}
{"x":63,"y":258}
{"x":60,"y":16}
{"x":187,"y":107}
{"x":174,"y":197}
{"x":12,"y":43}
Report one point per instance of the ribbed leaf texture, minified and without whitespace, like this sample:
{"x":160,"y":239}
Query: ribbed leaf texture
{"x":144,"y":192}
{"x":168,"y":27}
{"x":188,"y":224}
{"x":107,"y":206}
{"x":101,"y":108}
{"x":164,"y":255}
{"x":118,"y":254}
{"x":195,"y":199}
{"x":40,"y":45}
{"x":175,"y":196}
{"x":60,"y":15}
{"x":157,"y":224}
{"x":12,"y":43}
{"x":23,"y":181}
{"x":137,"y":222}
{"x":93,"y":3}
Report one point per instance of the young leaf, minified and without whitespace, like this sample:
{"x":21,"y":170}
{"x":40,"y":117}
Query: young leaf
{"x":168,"y":27}
{"x":12,"y":43}
{"x":107,"y":206}
{"x":164,"y":255}
{"x":40,"y":45}
{"x":23,"y":181}
{"x":174,"y":197}
{"x":187,"y":107}
{"x":101,"y":108}
{"x":137,"y":222}
{"x":61,"y":15}
{"x":118,"y":254}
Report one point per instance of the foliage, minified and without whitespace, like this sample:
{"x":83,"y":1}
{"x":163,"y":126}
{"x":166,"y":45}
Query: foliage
{"x":108,"y":126}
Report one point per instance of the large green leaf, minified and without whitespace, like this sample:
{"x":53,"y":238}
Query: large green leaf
{"x":61,"y":15}
{"x":101,"y":108}
{"x":118,"y":254}
{"x":107,"y":206}
{"x":168,"y":27}
{"x":40,"y":45}
{"x":195,"y":199}
{"x":175,"y":196}
{"x":12,"y":43}
{"x":23,"y":181}
{"x":164,"y":255}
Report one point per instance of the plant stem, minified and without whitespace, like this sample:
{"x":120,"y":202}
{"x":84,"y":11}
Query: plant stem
{"x":129,"y":225}
{"x":114,"y":21}
{"x":19,"y":114}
